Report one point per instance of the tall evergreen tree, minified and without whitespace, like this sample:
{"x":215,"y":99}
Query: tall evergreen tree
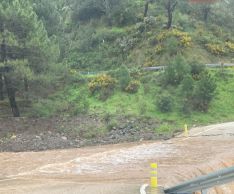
{"x":26,"y":48}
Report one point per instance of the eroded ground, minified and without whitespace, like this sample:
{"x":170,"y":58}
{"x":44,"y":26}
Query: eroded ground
{"x":119,"y":169}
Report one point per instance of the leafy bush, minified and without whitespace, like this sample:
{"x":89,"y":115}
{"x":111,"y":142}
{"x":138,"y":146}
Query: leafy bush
{"x":104,"y":85}
{"x":164,"y":129}
{"x":230,"y":46}
{"x":87,"y":10}
{"x":147,"y":24}
{"x":204,"y":92}
{"x":216,"y":49}
{"x":142,"y":107}
{"x":165,"y":103}
{"x":176,"y":71}
{"x":196,"y":70}
{"x":159,"y":49}
{"x":183,"y":37}
{"x":187,"y":86}
{"x":123,"y":16}
{"x":133,"y":87}
{"x":72,"y":102}
{"x":171,"y":46}
{"x":108,"y":34}
{"x":135,"y":73}
{"x":123,"y":76}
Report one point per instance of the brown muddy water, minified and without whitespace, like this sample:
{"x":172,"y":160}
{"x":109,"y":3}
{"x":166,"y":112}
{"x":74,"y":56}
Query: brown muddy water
{"x":122,"y":168}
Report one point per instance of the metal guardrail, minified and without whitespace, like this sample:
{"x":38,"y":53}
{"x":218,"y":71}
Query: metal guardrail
{"x":157,"y":68}
{"x":204,"y":182}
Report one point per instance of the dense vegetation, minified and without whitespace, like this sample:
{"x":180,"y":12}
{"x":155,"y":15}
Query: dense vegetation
{"x":71,"y":57}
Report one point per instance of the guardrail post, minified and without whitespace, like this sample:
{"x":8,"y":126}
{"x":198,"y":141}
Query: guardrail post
{"x":154,"y":176}
{"x":186,"y":133}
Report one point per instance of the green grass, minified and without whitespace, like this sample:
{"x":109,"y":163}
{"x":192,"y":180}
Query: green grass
{"x":143,"y":104}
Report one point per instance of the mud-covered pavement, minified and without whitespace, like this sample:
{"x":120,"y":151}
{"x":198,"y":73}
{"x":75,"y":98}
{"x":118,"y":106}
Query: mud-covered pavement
{"x":119,"y":169}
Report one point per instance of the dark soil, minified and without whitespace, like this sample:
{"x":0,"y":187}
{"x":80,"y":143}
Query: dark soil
{"x":28,"y":134}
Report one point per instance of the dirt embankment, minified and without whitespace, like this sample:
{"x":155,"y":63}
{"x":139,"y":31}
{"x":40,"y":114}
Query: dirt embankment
{"x":25,"y":134}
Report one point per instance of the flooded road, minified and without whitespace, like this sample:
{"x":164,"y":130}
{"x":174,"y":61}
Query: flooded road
{"x":119,"y":169}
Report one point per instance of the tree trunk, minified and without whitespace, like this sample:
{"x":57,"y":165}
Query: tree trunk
{"x":206,"y":12}
{"x":146,"y":9}
{"x":1,"y":87}
{"x":26,"y":88}
{"x":8,"y":83}
{"x":170,"y":7}
{"x":11,"y":96}
{"x":169,"y":23}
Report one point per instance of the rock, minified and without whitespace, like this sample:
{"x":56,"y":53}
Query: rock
{"x":13,"y":137}
{"x":38,"y":137}
{"x":64,"y":138}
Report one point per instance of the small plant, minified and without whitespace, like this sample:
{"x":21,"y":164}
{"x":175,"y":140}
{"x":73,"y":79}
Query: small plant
{"x":104,"y":85}
{"x":230,"y":46}
{"x":183,"y":37}
{"x":159,"y":48}
{"x":123,"y":76}
{"x":187,"y":86}
{"x":164,"y":129}
{"x":142,"y":108}
{"x":165,"y":103}
{"x":133,"y":87}
{"x":176,"y":71}
{"x":196,"y":70}
{"x":216,"y":49}
{"x":204,"y":92}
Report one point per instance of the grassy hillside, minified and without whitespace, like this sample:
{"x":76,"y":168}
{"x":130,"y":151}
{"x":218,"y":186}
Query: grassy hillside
{"x":103,"y":49}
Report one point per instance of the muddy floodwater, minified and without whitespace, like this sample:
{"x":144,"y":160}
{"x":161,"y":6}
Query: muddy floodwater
{"x":122,"y":168}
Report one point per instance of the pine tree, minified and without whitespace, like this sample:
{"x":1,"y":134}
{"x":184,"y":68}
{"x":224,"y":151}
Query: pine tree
{"x":26,"y":48}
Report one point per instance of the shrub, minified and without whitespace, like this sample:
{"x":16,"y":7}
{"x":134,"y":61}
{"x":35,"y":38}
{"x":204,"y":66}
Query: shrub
{"x":216,"y":49}
{"x":108,"y":34}
{"x":72,"y":101}
{"x":165,"y":103}
{"x":78,"y":103}
{"x":230,"y":46}
{"x":187,"y":86}
{"x":88,"y":10}
{"x":142,"y":108}
{"x":135,"y":73}
{"x":171,"y":46}
{"x":123,"y":76}
{"x":196,"y":70}
{"x":176,"y":71}
{"x":104,"y":85}
{"x":183,"y":37}
{"x":133,"y":87}
{"x":164,"y":129}
{"x":101,"y":81}
{"x":159,"y":49}
{"x":204,"y":92}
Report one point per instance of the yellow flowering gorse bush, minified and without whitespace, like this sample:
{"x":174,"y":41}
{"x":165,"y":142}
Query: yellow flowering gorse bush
{"x":230,"y":46}
{"x":184,"y":38}
{"x":101,"y":82}
{"x":216,"y":49}
{"x":133,"y":87}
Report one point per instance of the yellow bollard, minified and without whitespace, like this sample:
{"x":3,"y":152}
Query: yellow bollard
{"x":154,"y":176}
{"x":186,"y":133}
